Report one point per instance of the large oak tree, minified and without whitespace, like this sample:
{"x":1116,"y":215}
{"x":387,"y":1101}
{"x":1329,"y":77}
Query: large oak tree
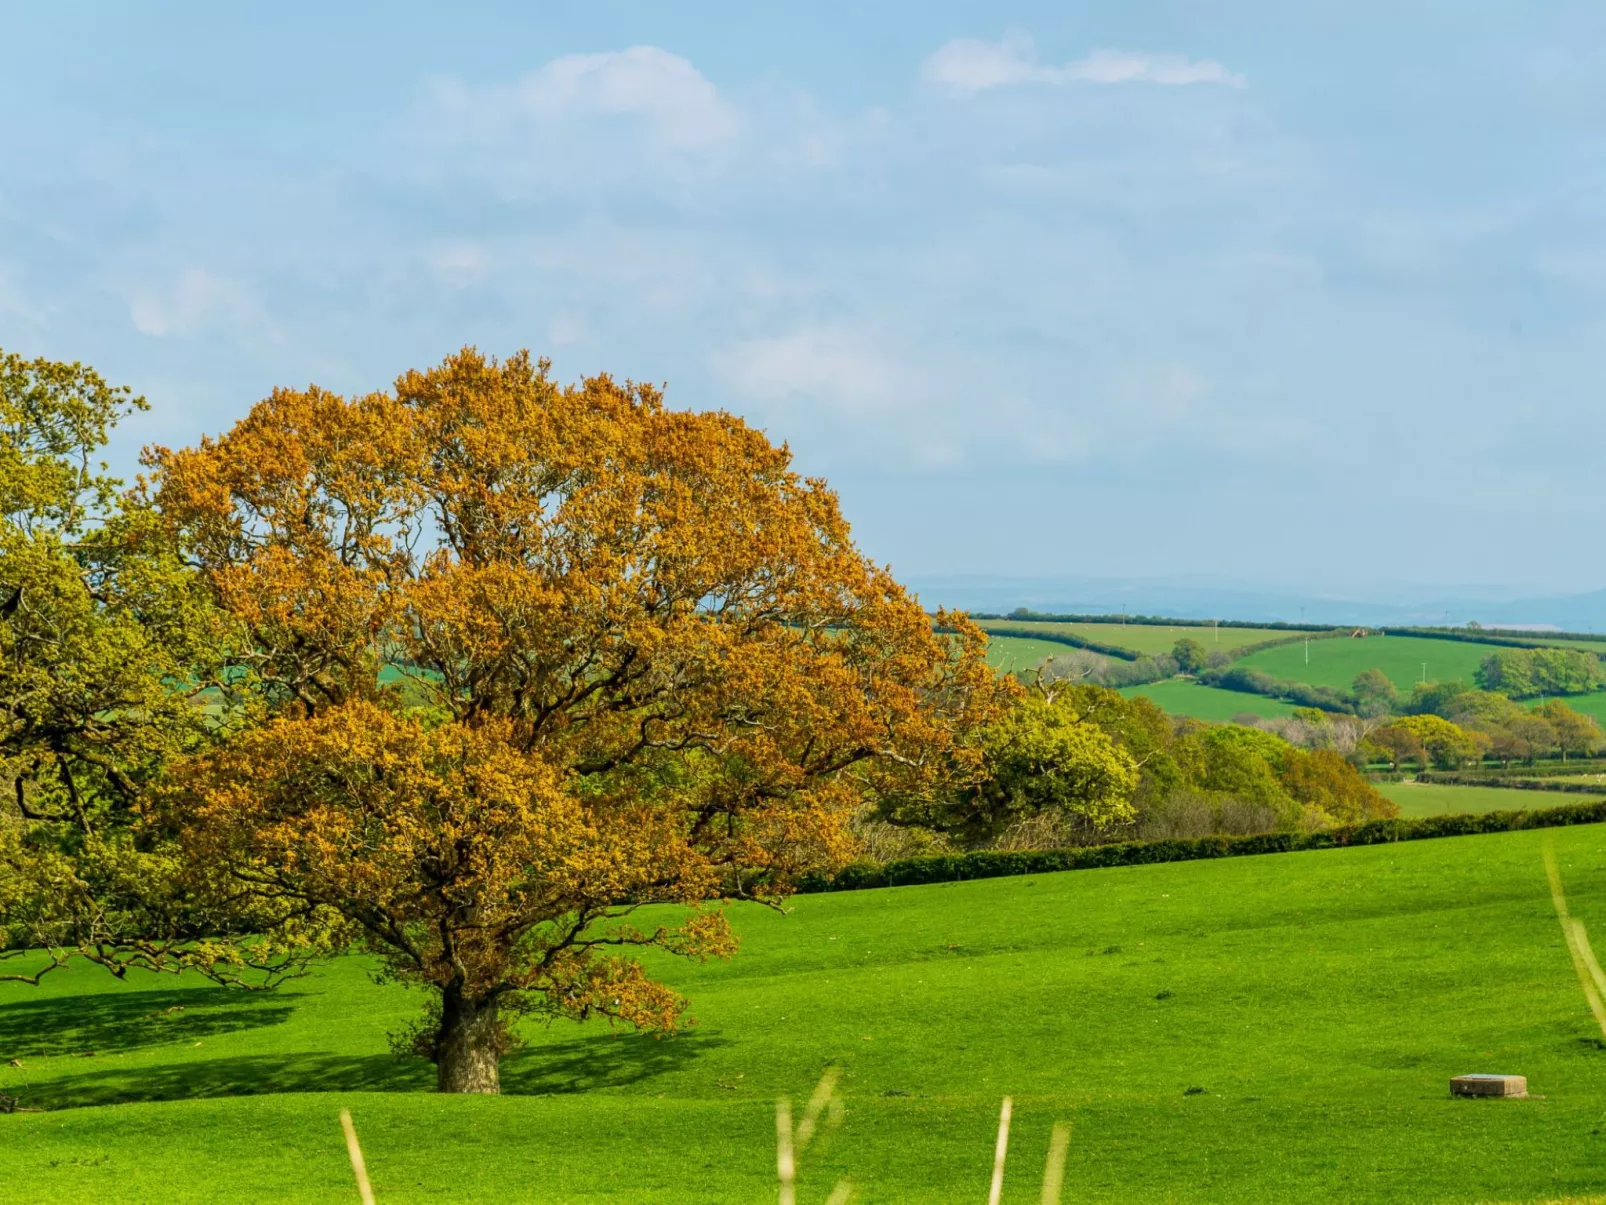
{"x":539,"y":657}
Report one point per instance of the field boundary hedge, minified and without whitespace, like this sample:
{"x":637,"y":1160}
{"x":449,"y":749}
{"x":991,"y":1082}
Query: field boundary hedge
{"x":1162,"y":621}
{"x":992,"y":864}
{"x":1076,"y":642}
{"x":1499,"y":636}
{"x":1448,"y":778}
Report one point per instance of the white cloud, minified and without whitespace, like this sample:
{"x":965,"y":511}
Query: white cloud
{"x":196,"y":300}
{"x":460,"y":264}
{"x":837,"y":366}
{"x":681,"y":107}
{"x":970,"y":65}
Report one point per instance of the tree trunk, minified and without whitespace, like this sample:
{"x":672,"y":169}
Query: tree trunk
{"x":467,"y":1051}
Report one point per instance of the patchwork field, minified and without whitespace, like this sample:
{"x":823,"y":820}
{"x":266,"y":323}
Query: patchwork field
{"x":1335,"y":662}
{"x":1149,"y":638}
{"x":1433,"y":799}
{"x":1272,"y":1029}
{"x":1180,"y":696}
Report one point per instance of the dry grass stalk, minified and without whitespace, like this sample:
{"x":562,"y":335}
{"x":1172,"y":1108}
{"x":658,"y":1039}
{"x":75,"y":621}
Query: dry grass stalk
{"x":365,"y":1190}
{"x":996,"y":1194}
{"x":1054,"y":1171}
{"x":785,"y":1161}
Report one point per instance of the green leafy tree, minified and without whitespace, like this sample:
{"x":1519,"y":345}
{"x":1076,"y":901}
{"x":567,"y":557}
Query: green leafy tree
{"x":1573,"y":733}
{"x":104,"y":647}
{"x":1045,"y":755}
{"x":1447,"y":745}
{"x":1525,"y":673}
{"x":1191,"y":656}
{"x":1374,"y":693}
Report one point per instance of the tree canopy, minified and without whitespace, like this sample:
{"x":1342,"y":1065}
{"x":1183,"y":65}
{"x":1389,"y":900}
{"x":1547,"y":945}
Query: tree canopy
{"x":537,"y":656}
{"x":106,"y":644}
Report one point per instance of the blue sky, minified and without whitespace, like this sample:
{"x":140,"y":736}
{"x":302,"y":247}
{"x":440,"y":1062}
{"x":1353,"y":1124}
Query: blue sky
{"x":1306,"y":295}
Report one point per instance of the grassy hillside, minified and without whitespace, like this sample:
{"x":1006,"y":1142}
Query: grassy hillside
{"x":1010,"y":653}
{"x":1149,"y":638}
{"x":1182,"y":697}
{"x":1432,"y":799}
{"x":1336,"y":662}
{"x":1272,"y":1029}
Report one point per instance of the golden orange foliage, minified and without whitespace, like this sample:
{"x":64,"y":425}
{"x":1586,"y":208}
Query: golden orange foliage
{"x":539,"y":655}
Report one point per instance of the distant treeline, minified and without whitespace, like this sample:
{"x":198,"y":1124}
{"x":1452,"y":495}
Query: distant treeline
{"x":1160,"y":621}
{"x":1495,"y":636}
{"x":1502,"y":636}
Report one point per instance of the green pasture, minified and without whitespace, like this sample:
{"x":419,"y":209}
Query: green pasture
{"x":1008,"y":654}
{"x":1590,"y":704}
{"x":1434,"y":799}
{"x":1335,"y":662}
{"x":1180,"y":696}
{"x":1269,"y":1029}
{"x":1149,"y":638}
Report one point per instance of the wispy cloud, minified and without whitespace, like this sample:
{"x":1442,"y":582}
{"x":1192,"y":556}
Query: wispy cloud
{"x":970,"y":65}
{"x":195,"y":300}
{"x":683,"y":110}
{"x":834,"y":366}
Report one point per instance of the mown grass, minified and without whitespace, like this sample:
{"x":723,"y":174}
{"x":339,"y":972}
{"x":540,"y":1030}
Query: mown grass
{"x":1434,"y":799}
{"x":1150,"y":638}
{"x":1321,"y":1001}
{"x":1179,"y":696}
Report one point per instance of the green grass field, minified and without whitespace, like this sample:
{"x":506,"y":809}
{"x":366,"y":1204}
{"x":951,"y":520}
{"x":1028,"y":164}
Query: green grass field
{"x":1272,"y":1029}
{"x":1008,"y":654}
{"x":1210,"y":703}
{"x":1590,"y":704}
{"x":1336,"y":662}
{"x":1149,"y":638}
{"x":1433,"y":799}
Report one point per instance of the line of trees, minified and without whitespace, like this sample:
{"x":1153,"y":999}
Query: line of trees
{"x":1529,"y":673}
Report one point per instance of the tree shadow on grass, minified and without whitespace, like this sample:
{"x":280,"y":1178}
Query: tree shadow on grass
{"x":117,"y":1022}
{"x":582,"y":1065}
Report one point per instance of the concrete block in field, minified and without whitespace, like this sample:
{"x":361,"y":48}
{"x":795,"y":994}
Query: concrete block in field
{"x":1489,"y":1085}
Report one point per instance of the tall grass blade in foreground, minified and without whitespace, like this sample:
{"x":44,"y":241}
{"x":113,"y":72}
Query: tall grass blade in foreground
{"x":785,"y":1162}
{"x":1054,"y":1171}
{"x":997,"y":1192}
{"x":364,"y":1190}
{"x":789,"y":1144}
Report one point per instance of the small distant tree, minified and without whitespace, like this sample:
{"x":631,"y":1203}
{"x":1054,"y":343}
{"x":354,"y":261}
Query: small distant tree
{"x":1522,"y":737}
{"x":1375,"y":694}
{"x":1573,"y":732}
{"x":1447,"y":745}
{"x":1398,"y":744}
{"x":1191,"y":656}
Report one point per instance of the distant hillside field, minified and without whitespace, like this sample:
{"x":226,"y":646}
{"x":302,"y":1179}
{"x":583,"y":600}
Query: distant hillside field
{"x":1335,"y":662}
{"x":1432,"y":799}
{"x":1149,"y":638}
{"x":1212,"y":704}
{"x":1008,"y":654}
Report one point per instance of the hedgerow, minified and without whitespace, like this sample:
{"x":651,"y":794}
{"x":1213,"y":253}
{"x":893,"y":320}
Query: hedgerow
{"x":992,"y":864}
